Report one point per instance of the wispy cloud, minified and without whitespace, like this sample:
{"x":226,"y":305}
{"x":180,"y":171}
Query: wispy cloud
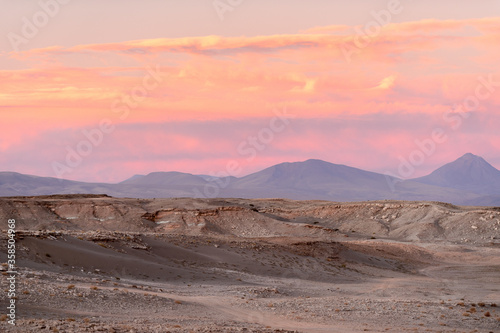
{"x":411,"y":70}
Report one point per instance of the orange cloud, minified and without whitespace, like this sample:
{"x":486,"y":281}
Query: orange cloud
{"x":413,"y":69}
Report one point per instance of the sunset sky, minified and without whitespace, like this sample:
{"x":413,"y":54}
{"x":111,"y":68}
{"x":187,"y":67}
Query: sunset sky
{"x":188,"y":86}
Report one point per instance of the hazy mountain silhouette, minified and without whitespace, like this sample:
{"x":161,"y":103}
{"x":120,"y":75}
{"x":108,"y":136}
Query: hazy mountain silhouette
{"x":468,"y":180}
{"x":315,"y":179}
{"x":310,"y":174}
{"x":172,"y":178}
{"x":17,"y":184}
{"x":469,"y":172}
{"x":134,"y":177}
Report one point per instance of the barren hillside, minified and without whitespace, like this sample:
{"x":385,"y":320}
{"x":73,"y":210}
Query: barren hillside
{"x":397,"y":220}
{"x":263,"y":265}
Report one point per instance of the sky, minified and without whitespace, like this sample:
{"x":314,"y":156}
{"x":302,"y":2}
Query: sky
{"x":102,"y":90}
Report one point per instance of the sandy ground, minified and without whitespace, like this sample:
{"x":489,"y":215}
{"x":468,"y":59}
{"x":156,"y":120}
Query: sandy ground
{"x":100,"y":264}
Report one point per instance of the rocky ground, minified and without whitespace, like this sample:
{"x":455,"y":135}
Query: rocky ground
{"x":101,"y":264}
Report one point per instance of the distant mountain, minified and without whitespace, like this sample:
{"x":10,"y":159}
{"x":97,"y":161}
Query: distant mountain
{"x":315,"y":179}
{"x":215,"y":178}
{"x":165,"y":179}
{"x":17,"y":184}
{"x":487,"y":200}
{"x":469,"y":173}
{"x":134,"y":177}
{"x":470,"y":180}
{"x":310,"y":174}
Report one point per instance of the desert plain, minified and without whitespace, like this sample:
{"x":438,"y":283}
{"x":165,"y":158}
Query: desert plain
{"x":94,"y":263}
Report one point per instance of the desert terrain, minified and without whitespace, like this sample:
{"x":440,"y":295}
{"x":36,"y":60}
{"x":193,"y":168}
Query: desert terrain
{"x":94,"y":263}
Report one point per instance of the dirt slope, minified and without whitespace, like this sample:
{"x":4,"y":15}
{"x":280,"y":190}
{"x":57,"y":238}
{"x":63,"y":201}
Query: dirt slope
{"x":398,"y":220}
{"x":96,"y":263}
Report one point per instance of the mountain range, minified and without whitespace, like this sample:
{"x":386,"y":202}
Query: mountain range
{"x":469,"y":180}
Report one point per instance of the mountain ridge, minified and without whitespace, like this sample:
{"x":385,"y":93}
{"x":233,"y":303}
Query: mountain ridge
{"x":469,"y":172}
{"x":469,"y":180}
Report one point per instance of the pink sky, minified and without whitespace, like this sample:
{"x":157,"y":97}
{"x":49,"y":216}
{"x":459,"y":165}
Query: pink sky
{"x":191,"y":104}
